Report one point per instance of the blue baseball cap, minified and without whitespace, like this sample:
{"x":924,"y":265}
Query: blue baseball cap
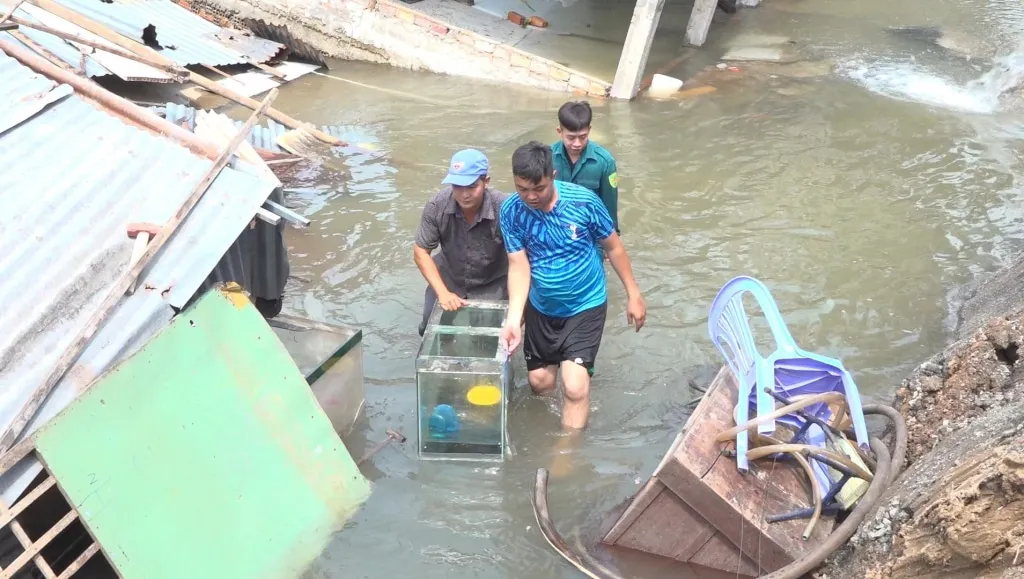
{"x":466,"y":167}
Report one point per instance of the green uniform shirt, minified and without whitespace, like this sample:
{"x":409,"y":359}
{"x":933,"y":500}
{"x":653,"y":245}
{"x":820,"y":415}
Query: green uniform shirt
{"x":594,"y":170}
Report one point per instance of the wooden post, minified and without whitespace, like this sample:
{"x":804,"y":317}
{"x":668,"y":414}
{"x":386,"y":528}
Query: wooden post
{"x":700,"y":22}
{"x":637,"y":47}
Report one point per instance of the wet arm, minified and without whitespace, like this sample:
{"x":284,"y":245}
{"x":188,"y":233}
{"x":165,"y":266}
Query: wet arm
{"x":428,"y":237}
{"x":425,"y":263}
{"x":620,"y":262}
{"x":518,"y":286}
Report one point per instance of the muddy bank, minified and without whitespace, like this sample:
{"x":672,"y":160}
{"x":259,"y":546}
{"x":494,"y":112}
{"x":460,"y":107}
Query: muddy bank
{"x":958,"y":508}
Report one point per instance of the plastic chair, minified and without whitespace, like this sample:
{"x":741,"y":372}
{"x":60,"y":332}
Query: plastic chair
{"x":790,"y":370}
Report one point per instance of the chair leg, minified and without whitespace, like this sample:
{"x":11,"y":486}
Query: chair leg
{"x":828,"y":502}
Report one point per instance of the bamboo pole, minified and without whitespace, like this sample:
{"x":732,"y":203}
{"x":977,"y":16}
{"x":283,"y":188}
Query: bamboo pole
{"x":154,"y":56}
{"x":118,"y":105}
{"x":180,"y":74}
{"x":116,"y":293}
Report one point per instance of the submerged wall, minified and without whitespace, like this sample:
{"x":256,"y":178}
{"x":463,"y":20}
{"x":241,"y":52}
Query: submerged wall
{"x":388,"y":32}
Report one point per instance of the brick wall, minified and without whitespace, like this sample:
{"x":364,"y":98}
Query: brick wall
{"x":388,"y":31}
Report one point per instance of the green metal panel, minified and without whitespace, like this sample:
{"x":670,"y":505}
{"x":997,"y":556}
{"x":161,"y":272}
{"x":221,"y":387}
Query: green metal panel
{"x":205,"y":454}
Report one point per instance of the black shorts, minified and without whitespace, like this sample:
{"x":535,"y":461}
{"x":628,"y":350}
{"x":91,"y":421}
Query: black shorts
{"x":550,"y":341}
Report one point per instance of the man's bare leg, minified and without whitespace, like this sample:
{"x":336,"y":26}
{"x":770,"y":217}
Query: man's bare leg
{"x":576,"y":392}
{"x":542,"y":380}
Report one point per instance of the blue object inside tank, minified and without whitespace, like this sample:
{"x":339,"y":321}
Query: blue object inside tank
{"x":443,"y":420}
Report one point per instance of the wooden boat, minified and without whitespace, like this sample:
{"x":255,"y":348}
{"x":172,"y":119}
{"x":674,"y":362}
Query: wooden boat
{"x":699,"y":510}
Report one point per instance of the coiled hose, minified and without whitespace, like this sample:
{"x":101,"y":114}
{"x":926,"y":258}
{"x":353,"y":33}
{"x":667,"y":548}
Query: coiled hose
{"x":887,"y":468}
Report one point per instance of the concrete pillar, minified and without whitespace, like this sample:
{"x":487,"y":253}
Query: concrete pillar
{"x":637,"y":47}
{"x":700,"y":21}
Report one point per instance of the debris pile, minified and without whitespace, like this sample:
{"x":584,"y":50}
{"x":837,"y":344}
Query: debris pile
{"x":958,"y":510}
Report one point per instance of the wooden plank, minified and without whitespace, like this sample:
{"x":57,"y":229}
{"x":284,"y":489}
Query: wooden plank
{"x":641,"y":500}
{"x":8,"y":515}
{"x":720,"y":553}
{"x":720,"y":511}
{"x":668,"y":511}
{"x":80,"y":561}
{"x":42,"y":51}
{"x":26,"y":543}
{"x":35,"y":548}
{"x":175,"y":72}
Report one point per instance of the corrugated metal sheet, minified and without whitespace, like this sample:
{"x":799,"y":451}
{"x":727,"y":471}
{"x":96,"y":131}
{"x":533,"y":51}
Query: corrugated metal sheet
{"x":186,"y":38}
{"x":71,"y":178}
{"x":97,"y":63}
{"x":296,"y":47}
{"x":263,"y":136}
{"x":58,"y":47}
{"x":258,"y":260}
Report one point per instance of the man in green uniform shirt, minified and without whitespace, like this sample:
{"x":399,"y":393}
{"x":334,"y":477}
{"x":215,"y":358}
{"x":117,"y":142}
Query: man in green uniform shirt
{"x":579,"y":160}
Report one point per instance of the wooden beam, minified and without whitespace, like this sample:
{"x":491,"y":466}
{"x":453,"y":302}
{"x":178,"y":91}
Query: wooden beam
{"x":637,"y":47}
{"x":33,"y":551}
{"x":80,"y":561}
{"x":700,"y":22}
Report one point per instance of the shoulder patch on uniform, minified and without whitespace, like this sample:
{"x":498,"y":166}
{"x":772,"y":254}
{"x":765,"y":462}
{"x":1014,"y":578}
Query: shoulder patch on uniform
{"x":613,"y":179}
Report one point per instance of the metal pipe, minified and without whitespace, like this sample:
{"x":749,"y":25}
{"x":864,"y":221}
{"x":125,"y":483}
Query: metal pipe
{"x":178,"y":73}
{"x":391,"y":435}
{"x":151,"y":55}
{"x":122,"y":107}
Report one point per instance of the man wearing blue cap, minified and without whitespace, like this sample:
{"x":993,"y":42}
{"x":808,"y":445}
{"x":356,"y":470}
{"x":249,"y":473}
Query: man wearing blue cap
{"x":462,"y":219}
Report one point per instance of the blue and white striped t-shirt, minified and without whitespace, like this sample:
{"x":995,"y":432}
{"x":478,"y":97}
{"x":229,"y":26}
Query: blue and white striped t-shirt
{"x":566,"y":270}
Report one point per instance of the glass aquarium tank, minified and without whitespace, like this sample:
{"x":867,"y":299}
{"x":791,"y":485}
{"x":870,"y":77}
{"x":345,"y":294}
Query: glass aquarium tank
{"x":463,"y":380}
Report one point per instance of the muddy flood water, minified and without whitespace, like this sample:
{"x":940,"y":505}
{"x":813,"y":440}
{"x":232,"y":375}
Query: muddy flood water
{"x":860,"y":195}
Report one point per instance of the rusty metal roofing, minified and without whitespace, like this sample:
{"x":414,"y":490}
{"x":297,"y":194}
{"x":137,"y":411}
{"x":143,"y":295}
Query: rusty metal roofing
{"x":49,"y":42}
{"x":57,"y":47}
{"x":185,"y":38}
{"x":263,"y":136}
{"x":71,"y":177}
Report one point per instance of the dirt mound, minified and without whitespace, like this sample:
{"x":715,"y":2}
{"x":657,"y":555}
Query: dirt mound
{"x":971,"y":376}
{"x":958,"y":509}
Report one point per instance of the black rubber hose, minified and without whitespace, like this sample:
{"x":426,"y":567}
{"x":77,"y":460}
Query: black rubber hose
{"x":585,"y":563}
{"x":843,"y":532}
{"x":887,"y":469}
{"x":899,"y":452}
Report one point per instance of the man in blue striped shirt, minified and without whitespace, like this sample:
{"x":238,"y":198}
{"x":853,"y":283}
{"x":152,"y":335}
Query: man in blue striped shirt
{"x":556,"y":280}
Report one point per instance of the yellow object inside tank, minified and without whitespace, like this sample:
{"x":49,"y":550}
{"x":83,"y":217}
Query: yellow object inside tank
{"x":484,"y":395}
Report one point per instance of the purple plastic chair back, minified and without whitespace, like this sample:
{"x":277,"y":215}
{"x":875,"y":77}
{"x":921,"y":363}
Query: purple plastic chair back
{"x":789,"y":370}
